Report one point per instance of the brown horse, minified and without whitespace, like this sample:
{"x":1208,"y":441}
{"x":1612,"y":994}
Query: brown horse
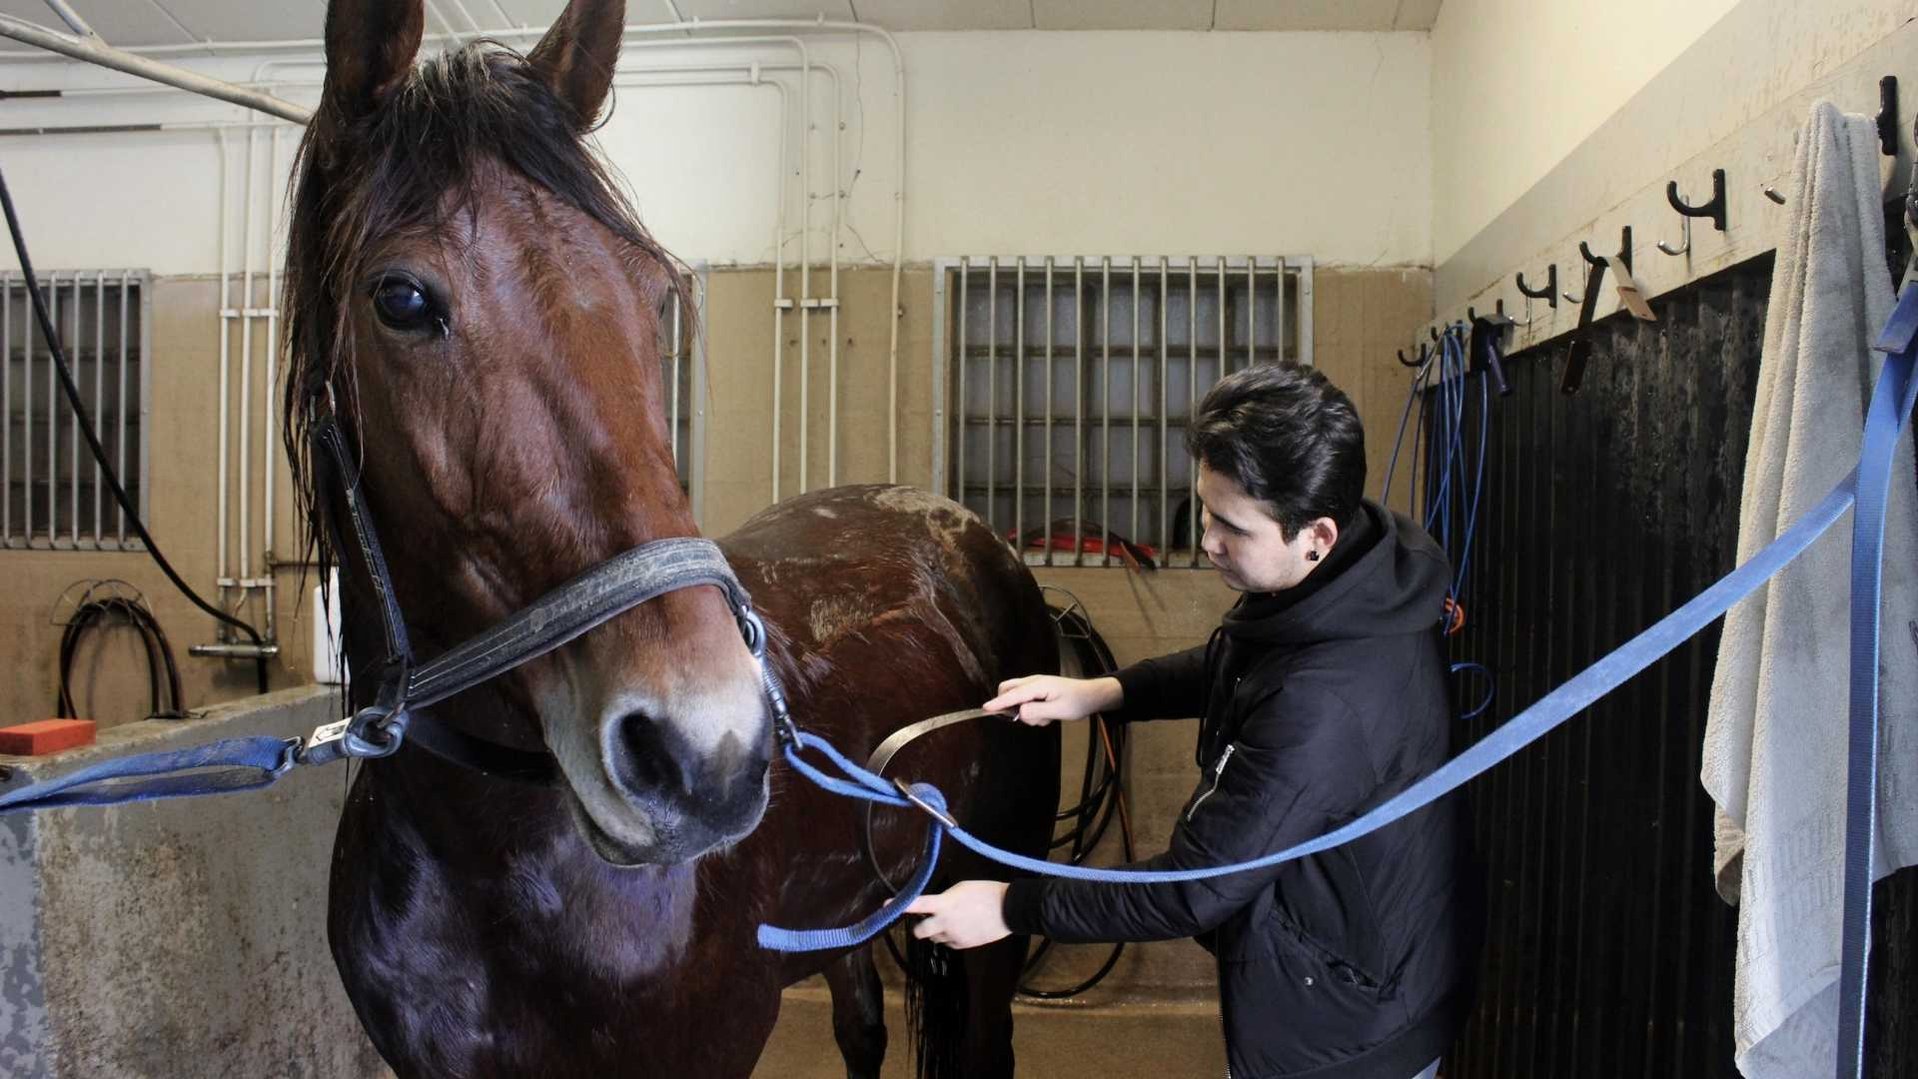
{"x":476,"y":303}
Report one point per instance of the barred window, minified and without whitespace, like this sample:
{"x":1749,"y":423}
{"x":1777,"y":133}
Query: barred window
{"x":56,"y":493}
{"x":1071,"y":382}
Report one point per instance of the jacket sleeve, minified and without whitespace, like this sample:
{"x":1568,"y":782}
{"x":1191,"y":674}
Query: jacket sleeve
{"x":1166,"y":687}
{"x":1298,"y":769}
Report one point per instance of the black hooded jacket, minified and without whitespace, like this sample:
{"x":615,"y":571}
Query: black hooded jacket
{"x":1319,"y":703}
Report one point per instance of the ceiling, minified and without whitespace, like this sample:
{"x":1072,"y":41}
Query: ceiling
{"x":132,"y":23}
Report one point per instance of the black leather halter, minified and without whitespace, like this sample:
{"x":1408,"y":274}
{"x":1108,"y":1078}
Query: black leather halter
{"x":405,"y":687}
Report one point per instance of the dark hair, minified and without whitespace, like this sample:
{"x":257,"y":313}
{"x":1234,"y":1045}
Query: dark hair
{"x":1289,"y":437}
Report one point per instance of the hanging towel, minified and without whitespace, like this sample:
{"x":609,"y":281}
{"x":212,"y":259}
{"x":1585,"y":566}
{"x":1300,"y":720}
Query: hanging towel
{"x":1775,"y":740}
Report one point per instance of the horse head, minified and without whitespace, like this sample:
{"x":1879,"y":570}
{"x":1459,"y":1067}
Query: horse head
{"x":473,"y":298}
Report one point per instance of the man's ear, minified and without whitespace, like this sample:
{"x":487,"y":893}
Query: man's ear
{"x":1324,"y":533}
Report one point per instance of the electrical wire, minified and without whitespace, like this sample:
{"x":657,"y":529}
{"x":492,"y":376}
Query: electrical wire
{"x":84,"y":422}
{"x":1454,"y":476}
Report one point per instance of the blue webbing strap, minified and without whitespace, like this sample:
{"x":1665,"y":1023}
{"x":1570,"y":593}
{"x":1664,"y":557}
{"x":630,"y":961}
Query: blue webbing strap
{"x":1890,"y":408}
{"x":1882,"y":430}
{"x":232,"y":764}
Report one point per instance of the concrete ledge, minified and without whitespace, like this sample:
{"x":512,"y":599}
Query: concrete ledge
{"x":182,"y":938}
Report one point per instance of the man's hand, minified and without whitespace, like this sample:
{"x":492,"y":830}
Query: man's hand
{"x":1041,"y":698}
{"x":966,"y":915}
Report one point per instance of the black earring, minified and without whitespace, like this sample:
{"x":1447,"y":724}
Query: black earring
{"x":1311,"y":556}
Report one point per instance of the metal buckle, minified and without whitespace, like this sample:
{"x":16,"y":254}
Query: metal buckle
{"x":932,"y":811}
{"x":369,"y":733}
{"x":753,"y":630}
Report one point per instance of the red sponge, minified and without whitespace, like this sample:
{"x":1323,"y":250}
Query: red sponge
{"x":45,"y":736}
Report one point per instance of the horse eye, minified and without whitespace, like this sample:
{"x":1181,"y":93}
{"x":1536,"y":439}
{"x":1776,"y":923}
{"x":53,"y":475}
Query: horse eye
{"x":401,"y":304}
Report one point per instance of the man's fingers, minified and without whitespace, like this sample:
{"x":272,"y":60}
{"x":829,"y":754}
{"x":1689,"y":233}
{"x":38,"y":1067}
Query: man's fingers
{"x":1008,"y":699}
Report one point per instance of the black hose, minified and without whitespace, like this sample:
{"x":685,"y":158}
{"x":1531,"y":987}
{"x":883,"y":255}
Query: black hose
{"x":1099,"y":799}
{"x":85,"y":423}
{"x":163,"y":675}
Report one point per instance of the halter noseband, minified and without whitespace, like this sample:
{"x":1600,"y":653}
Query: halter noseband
{"x":594,"y":597}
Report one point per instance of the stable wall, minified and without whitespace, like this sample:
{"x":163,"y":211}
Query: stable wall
{"x":1517,"y":88}
{"x":1097,"y":142}
{"x":1175,"y":143}
{"x":110,"y":671}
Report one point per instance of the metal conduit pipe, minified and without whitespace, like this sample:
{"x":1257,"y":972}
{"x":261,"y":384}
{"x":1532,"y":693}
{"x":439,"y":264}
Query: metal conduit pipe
{"x":224,"y":568}
{"x":91,"y":49}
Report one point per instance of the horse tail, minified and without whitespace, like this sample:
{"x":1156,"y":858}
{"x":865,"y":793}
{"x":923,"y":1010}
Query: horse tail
{"x":936,"y":1007}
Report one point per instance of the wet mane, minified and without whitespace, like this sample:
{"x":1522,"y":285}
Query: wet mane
{"x":414,"y":164}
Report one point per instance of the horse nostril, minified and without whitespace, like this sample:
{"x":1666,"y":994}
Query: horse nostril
{"x":646,"y":756}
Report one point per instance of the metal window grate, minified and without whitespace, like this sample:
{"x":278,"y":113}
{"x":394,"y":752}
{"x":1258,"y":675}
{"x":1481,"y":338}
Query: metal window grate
{"x":56,"y":494}
{"x":1072,"y":380}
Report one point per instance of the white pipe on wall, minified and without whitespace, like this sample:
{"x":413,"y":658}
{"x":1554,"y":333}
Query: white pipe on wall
{"x":245,"y":315}
{"x":95,"y":51}
{"x":224,"y":570}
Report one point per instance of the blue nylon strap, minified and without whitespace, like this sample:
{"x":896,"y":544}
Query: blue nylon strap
{"x":233,"y":764}
{"x":1882,"y":430}
{"x":867,"y":787}
{"x":1891,"y":407}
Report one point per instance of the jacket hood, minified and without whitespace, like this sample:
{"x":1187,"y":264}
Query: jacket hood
{"x":1396,"y":584}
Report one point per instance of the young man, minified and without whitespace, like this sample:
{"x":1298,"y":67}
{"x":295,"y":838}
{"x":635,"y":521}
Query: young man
{"x":1323,"y":693}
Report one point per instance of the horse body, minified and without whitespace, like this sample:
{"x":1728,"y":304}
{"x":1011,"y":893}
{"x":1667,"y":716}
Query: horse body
{"x":479,"y":934}
{"x":471,"y":304}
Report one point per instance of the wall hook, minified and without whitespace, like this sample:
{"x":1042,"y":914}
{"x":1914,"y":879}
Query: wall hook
{"x":1549,"y":293}
{"x":1420,"y":362}
{"x":1714,"y":209}
{"x":1888,"y":115}
{"x":1685,"y":227}
{"x":1624,"y":251}
{"x":1773,"y":195}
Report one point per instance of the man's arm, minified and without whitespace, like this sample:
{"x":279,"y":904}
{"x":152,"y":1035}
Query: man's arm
{"x":1289,"y":777}
{"x":1165,"y":687}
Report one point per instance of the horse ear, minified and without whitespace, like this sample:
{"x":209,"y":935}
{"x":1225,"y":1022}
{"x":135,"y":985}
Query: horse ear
{"x":370,"y":46}
{"x":577,"y":55}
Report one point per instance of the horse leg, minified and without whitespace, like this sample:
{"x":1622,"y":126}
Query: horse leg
{"x":858,"y":1012}
{"x":992,"y":977}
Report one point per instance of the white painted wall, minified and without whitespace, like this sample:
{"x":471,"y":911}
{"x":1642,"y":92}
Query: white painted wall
{"x":1262,"y":143}
{"x":1137,"y":142}
{"x":1517,"y":86}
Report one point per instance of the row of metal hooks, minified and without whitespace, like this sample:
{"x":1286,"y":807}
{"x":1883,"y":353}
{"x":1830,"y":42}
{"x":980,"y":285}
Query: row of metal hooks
{"x":1713,"y":208}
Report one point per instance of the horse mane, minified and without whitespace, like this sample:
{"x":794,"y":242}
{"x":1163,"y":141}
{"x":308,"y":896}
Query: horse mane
{"x":414,"y":164}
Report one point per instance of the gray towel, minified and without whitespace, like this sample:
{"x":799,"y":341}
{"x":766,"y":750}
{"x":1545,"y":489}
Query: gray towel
{"x":1775,"y":741}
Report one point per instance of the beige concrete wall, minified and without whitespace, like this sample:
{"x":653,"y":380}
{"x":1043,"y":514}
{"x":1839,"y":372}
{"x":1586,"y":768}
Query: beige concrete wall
{"x":110,"y":673}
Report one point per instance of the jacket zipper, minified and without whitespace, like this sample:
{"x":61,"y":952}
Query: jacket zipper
{"x":1218,"y":770}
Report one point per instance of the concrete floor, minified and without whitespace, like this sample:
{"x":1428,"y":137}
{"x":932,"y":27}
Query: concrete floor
{"x":1075,"y":1041}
